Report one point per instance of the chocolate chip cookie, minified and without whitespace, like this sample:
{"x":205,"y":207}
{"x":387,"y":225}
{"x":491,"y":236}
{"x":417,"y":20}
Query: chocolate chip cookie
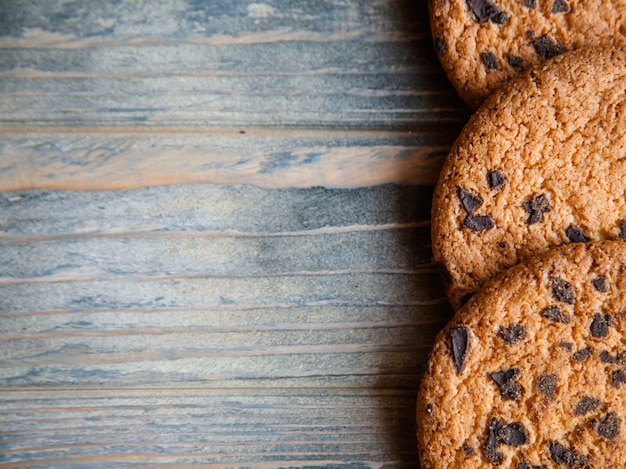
{"x":541,"y":164}
{"x":531,"y":372}
{"x":483,"y":43}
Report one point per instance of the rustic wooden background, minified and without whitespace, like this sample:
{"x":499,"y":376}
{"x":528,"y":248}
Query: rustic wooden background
{"x":214,"y":231}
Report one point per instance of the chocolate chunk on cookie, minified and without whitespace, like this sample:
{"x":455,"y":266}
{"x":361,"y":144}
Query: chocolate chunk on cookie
{"x":459,"y":342}
{"x":513,"y":334}
{"x":486,"y":10}
{"x":490,"y":60}
{"x":507,"y":382}
{"x":540,"y":166}
{"x":488,"y":41}
{"x":586,"y":405}
{"x":524,"y":391}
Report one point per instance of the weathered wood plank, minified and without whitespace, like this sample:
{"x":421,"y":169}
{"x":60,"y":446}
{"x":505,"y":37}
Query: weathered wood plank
{"x":331,"y":65}
{"x":97,"y":161}
{"x":236,"y":286}
{"x":171,"y":255}
{"x":367,"y":351}
{"x":69,"y":25}
{"x":209,"y":210}
{"x":276,"y":313}
{"x":331,"y":289}
{"x":210,"y":428}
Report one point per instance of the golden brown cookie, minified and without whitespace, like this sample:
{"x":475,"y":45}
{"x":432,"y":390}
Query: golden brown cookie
{"x":542,"y":163}
{"x":483,"y":43}
{"x":531,"y":372}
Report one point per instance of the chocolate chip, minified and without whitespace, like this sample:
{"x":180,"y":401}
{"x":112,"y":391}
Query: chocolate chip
{"x":513,"y":434}
{"x":526,"y":465}
{"x":496,"y":179}
{"x":547,"y":48}
{"x":537,"y":206}
{"x":563,"y":290}
{"x":576,"y":234}
{"x":561,"y":455}
{"x":601,"y":284}
{"x":583,"y":354}
{"x":479,"y":222}
{"x":507,"y":381}
{"x":459,"y":337}
{"x":468,"y":449}
{"x":560,"y":6}
{"x":530,"y":3}
{"x":600,"y":325}
{"x":486,"y":10}
{"x":586,"y":404}
{"x":490,"y":60}
{"x":515,"y":61}
{"x":430,"y":408}
{"x":513,"y":334}
{"x":547,"y":385}
{"x":555,"y":314}
{"x":492,"y":443}
{"x":440,"y":45}
{"x":606,"y":357}
{"x":618,"y":377}
{"x":557,"y":451}
{"x":502,"y":244}
{"x":609,"y":426}
{"x":622,"y":229}
{"x":469,"y":200}
{"x":566,"y":345}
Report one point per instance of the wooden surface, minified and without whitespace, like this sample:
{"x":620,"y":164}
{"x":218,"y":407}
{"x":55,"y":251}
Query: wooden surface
{"x":214,"y":231}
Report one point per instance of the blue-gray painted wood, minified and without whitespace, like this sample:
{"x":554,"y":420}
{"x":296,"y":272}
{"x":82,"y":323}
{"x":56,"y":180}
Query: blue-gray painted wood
{"x":259,"y":290}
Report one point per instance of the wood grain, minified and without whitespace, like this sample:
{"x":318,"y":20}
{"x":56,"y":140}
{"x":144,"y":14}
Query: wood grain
{"x":353,"y":93}
{"x":209,"y":428}
{"x":215,"y":231}
{"x":270,"y":159}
